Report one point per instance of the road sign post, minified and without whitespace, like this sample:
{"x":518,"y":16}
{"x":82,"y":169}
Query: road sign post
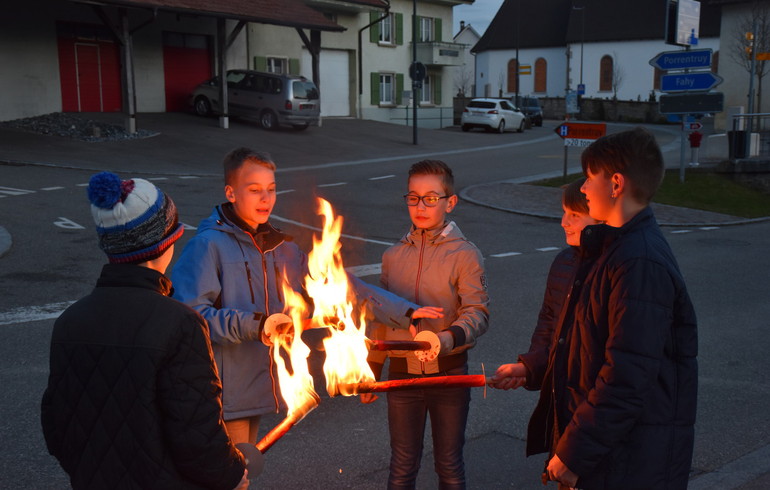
{"x":579,"y":135}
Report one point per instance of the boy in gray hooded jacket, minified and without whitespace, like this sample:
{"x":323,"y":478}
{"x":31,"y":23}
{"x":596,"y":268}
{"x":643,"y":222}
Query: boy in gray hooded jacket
{"x":432,"y":264}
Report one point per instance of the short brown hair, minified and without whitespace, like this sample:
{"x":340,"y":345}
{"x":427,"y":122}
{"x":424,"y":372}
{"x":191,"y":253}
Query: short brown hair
{"x":435,"y":167}
{"x":572,"y":198}
{"x":236,"y":158}
{"x":634,"y":154}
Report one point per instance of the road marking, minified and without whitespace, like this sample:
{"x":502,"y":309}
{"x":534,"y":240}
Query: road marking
{"x":547,"y":249}
{"x":83,"y":185}
{"x":708,"y":228}
{"x":680,"y":232}
{"x":334,"y":184}
{"x":189,"y":177}
{"x":52,"y":188}
{"x":10,"y":191}
{"x":33,"y":313}
{"x":285,"y":191}
{"x":157,"y":178}
{"x":383,"y":177}
{"x":507,"y":254}
{"x":415,"y":156}
{"x":351,"y":237}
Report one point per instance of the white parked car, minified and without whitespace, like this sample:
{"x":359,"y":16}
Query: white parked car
{"x":492,"y":115}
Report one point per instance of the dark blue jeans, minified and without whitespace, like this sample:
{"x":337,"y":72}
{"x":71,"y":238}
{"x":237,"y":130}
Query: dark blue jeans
{"x":407,"y":413}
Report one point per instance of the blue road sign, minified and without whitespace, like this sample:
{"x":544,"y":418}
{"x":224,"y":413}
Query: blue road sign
{"x":680,"y":60}
{"x":581,"y":89}
{"x":689,"y":82}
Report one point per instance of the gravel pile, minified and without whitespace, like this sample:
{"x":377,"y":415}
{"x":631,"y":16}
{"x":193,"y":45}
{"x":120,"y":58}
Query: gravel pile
{"x":75,"y":127}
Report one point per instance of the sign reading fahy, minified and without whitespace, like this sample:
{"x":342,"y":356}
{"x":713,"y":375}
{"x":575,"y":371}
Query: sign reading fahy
{"x":689,"y":82}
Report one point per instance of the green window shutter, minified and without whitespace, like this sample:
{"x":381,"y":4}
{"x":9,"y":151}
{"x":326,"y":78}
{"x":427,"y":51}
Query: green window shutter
{"x":399,"y":87}
{"x":399,"y":28}
{"x":294,"y":66}
{"x":437,"y":30}
{"x":419,"y":27}
{"x":374,"y":30}
{"x":375,"y":88}
{"x":260,"y":63}
{"x":437,"y":89}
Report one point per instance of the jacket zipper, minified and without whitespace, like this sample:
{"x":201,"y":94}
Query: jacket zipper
{"x":417,"y":287}
{"x":267,"y":313}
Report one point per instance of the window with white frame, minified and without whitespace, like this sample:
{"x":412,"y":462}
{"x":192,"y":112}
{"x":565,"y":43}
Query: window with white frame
{"x":386,"y":30}
{"x":387,"y":88}
{"x":426,"y":92}
{"x":426,"y":29}
{"x":277,"y":65}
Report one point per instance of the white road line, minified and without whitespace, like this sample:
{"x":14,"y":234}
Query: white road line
{"x":709,"y":228}
{"x":82,"y":185}
{"x":415,"y":156}
{"x":285,"y":191}
{"x":383,"y":177}
{"x":507,"y":254}
{"x":351,"y":237}
{"x":33,"y":313}
{"x":547,"y":249}
{"x":189,"y":177}
{"x":334,"y":184}
{"x":157,"y":178}
{"x":14,"y":192}
{"x":56,"y":188}
{"x":679,"y":232}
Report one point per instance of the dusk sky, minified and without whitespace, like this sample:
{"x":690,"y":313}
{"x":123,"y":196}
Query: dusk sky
{"x":479,"y":15}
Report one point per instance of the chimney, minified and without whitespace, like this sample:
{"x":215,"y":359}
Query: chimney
{"x":462,"y":25}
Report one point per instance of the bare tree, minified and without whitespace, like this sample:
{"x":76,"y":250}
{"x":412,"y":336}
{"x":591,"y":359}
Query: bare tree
{"x":736,"y":46}
{"x":618,"y":74}
{"x":464,"y":78}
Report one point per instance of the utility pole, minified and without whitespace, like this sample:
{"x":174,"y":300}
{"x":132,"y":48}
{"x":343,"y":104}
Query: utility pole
{"x":415,"y":83}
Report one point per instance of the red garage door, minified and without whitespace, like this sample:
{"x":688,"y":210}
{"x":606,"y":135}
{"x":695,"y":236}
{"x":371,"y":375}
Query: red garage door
{"x":89,"y":69}
{"x":186,"y":63}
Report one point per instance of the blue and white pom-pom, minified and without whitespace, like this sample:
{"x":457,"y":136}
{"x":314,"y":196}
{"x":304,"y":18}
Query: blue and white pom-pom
{"x":105,"y":190}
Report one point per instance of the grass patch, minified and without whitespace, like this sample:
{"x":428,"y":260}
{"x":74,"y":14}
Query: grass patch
{"x":701,"y":190}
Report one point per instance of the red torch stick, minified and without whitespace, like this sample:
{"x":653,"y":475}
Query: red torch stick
{"x":281,"y":429}
{"x":398,"y":345}
{"x":461,"y":381}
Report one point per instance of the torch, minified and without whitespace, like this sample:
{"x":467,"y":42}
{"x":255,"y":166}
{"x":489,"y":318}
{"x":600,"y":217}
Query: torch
{"x":254,"y":453}
{"x":457,"y":381}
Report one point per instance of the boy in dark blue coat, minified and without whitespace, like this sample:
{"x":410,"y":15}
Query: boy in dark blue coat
{"x":625,"y":411}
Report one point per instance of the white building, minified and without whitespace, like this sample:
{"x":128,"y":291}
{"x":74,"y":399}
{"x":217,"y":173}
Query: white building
{"x":69,"y":56}
{"x":604,"y":45}
{"x":465,"y":74}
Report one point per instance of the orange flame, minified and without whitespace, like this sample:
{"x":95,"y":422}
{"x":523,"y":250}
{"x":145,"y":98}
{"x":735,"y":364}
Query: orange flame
{"x":327,"y":284}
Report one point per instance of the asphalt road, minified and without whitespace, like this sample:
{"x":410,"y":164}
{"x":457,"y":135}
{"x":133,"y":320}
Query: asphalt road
{"x":360,"y":167}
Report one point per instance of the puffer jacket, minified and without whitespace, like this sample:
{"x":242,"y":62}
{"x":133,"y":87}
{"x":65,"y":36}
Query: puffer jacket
{"x":557,"y":288}
{"x":133,"y":398}
{"x":629,"y":365}
{"x":437,"y":268}
{"x":234,"y":284}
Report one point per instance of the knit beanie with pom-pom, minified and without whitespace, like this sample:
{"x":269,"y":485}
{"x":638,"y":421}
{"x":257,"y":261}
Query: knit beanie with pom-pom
{"x":135,"y":220}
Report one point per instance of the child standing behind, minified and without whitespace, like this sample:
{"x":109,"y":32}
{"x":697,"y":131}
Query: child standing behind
{"x":432,"y":264}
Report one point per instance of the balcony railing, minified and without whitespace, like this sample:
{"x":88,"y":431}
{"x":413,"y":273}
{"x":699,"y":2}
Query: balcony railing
{"x":441,"y":54}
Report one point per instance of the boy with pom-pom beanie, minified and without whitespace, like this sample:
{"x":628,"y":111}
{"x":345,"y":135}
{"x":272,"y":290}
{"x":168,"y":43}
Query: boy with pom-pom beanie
{"x":133,"y":397}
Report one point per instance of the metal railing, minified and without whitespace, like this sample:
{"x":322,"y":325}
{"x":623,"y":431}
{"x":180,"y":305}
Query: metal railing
{"x":750,"y":136}
{"x":427,"y":117}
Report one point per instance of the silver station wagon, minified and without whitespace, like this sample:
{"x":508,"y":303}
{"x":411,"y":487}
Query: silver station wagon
{"x":273,"y":99}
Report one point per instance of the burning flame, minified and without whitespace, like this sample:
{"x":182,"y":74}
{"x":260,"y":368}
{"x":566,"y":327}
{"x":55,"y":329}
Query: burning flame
{"x":327,"y":284}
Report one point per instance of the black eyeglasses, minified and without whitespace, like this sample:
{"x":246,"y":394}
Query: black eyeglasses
{"x":429,"y":201}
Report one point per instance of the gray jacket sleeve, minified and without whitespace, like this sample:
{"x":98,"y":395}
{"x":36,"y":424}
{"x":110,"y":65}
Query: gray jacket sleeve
{"x":384,"y":306}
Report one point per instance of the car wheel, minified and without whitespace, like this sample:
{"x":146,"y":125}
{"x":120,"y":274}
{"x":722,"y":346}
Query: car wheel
{"x":300,"y":127}
{"x":501,"y":126}
{"x":521,"y":127}
{"x":268,"y":120}
{"x":202,"y":106}
{"x":465,"y":128}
